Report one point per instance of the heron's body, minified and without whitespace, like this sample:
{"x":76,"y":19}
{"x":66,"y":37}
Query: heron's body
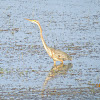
{"x":56,"y":55}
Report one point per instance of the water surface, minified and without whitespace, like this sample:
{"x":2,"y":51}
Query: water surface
{"x":27,"y":72}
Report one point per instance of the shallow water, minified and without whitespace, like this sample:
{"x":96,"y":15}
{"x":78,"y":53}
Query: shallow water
{"x":27,"y":72}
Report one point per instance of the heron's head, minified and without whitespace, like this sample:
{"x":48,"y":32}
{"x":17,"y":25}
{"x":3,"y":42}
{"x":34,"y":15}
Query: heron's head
{"x":33,"y":21}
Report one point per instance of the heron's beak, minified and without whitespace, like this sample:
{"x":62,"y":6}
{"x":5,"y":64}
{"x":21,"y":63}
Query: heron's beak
{"x":29,"y":20}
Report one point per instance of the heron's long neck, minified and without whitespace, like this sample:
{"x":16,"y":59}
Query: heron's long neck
{"x":44,"y":44}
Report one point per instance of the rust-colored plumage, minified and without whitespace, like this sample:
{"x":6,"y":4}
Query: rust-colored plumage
{"x":56,"y":55}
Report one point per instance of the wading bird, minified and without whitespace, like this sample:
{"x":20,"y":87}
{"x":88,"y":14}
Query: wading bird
{"x":56,"y":55}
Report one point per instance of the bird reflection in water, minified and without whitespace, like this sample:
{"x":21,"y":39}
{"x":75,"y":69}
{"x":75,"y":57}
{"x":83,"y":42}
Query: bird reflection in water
{"x":56,"y":71}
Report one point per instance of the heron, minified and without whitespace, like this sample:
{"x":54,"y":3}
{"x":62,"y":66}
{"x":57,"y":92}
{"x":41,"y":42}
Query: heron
{"x":56,"y":55}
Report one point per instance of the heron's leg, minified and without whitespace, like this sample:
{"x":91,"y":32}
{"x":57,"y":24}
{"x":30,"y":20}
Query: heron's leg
{"x":54,"y":62}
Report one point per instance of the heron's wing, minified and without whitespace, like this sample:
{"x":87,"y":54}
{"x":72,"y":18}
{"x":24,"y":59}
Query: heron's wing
{"x":60,"y":54}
